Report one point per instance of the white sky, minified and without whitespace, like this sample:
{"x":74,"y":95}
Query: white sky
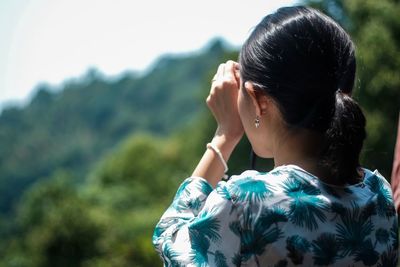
{"x":53,"y":40}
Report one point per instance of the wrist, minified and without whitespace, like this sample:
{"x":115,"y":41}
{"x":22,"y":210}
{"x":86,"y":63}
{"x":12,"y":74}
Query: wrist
{"x":221,"y":158}
{"x":229,"y":134}
{"x":225,"y":144}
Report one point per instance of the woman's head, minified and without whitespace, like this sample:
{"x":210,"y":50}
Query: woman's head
{"x":304,"y":62}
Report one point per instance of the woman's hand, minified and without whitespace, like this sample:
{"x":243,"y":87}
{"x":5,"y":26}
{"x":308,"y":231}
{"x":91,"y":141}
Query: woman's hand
{"x":222,"y":101}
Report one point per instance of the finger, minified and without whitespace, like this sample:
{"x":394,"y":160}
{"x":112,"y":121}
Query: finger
{"x":208,"y":100}
{"x":221,"y":70}
{"x":237,"y":74}
{"x":236,"y":71}
{"x":229,"y":67}
{"x":231,"y":71}
{"x":219,"y":73}
{"x":238,"y":79}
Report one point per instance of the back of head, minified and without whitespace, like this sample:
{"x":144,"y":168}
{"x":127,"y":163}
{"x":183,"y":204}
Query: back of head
{"x":306,"y":62}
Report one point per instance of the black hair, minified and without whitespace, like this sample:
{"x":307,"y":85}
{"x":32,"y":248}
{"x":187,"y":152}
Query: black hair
{"x":306,"y":63}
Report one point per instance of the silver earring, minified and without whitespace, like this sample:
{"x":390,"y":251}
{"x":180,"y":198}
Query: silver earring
{"x":257,"y":121}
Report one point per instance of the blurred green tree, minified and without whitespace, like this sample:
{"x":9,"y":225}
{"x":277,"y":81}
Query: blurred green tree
{"x":55,"y":227}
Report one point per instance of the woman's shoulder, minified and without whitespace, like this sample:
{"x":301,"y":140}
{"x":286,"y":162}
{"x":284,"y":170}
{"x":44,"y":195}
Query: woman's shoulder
{"x":377,"y":183}
{"x":251,"y":176}
{"x":370,"y":175}
{"x":256,"y":185}
{"x":285,"y":175}
{"x":276,"y":175}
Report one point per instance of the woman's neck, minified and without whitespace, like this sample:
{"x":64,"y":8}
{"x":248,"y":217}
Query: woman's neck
{"x":302,"y":149}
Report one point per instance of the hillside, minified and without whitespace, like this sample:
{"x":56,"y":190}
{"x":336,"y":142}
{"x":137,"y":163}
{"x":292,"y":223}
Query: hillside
{"x":71,"y":128}
{"x":103,"y":159}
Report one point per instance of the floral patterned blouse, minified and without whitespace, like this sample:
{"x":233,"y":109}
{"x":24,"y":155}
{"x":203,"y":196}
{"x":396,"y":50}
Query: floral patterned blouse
{"x":285,"y":217}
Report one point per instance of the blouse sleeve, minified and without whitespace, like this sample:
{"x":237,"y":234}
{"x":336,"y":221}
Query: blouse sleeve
{"x":198,"y":229}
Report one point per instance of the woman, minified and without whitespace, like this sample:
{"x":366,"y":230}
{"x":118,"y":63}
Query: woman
{"x":291,"y":95}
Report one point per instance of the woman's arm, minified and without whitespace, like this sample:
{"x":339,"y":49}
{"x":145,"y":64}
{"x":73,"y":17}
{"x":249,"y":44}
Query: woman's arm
{"x":190,"y":231}
{"x":210,"y":166}
{"x":222,"y":101}
{"x":199,"y":228}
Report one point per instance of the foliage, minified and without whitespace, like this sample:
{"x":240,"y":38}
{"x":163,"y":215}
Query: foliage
{"x":106,"y":219}
{"x":73,"y":127}
{"x":54,"y":227}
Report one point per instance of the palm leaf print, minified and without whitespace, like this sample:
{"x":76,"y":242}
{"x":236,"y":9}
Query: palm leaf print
{"x":180,"y":204}
{"x":272,"y":216}
{"x":385,"y":207}
{"x":297,"y":246}
{"x":382,"y":236}
{"x":367,"y":253}
{"x":255,"y":236}
{"x":170,"y":256}
{"x":338,"y":209}
{"x":182,"y":200}
{"x":296,"y":183}
{"x":157,"y":232}
{"x":220,"y":259}
{"x":262,"y":238}
{"x":305,"y":207}
{"x":353,"y":230}
{"x":389,"y":258}
{"x":182,"y":189}
{"x":237,"y":259}
{"x":235,"y":227}
{"x":250,"y":189}
{"x":223,"y":192}
{"x":206,"y":224}
{"x":162,"y":225}
{"x":369,"y":210}
{"x":203,"y":229}
{"x":394,"y":235}
{"x":325,"y":249}
{"x":194,"y":204}
{"x":281,"y":263}
{"x":204,"y":187}
{"x":200,"y":246}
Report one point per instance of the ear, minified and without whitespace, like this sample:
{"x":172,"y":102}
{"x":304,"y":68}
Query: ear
{"x":258,"y":98}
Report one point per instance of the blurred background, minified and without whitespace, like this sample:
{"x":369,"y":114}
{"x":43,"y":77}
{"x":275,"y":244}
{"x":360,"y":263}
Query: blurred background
{"x":102,"y":114}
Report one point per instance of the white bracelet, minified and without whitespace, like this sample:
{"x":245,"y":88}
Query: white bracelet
{"x":218,"y":152}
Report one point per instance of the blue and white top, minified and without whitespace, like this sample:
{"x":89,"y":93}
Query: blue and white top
{"x":284,"y":217}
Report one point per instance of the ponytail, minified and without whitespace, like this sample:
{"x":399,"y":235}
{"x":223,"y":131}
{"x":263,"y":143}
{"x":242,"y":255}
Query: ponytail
{"x":343,"y":140}
{"x":300,"y":57}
